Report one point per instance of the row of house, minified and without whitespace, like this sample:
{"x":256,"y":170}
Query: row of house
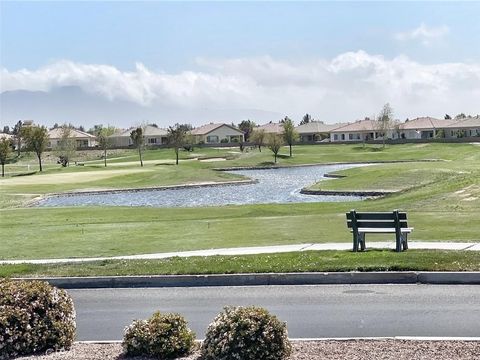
{"x":419,"y":128}
{"x":314,"y":131}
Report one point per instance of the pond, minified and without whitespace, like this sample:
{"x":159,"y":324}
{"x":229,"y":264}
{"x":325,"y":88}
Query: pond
{"x":279,"y":185}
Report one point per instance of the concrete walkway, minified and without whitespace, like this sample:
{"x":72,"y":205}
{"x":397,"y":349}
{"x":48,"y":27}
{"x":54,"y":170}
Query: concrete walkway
{"x":470,"y":246}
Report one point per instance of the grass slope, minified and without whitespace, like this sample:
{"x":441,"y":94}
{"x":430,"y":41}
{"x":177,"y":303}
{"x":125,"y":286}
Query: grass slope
{"x":442,"y":200}
{"x":308,"y":261}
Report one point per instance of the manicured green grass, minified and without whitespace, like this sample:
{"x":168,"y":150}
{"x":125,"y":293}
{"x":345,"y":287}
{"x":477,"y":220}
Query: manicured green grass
{"x":308,"y":261}
{"x":441,"y":198}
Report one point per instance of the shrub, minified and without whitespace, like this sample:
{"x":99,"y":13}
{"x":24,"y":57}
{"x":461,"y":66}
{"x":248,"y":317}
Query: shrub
{"x":163,"y":336}
{"x":34,"y":316}
{"x":246,"y":333}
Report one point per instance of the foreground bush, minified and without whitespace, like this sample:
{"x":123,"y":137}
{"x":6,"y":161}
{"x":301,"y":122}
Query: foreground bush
{"x":34,"y":317}
{"x":246,"y":333}
{"x":163,"y":336}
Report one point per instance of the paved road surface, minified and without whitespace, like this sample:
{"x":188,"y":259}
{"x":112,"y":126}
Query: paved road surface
{"x":310,"y":311}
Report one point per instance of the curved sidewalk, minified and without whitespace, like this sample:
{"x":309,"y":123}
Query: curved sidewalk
{"x":470,"y":246}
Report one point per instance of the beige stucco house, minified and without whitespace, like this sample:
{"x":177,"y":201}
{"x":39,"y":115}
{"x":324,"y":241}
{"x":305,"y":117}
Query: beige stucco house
{"x":153,"y":136}
{"x":316,"y":131}
{"x":82,"y":139}
{"x":423,"y":128}
{"x":270,"y":128}
{"x":360,"y":130}
{"x":217,"y":133}
{"x":468,"y":127}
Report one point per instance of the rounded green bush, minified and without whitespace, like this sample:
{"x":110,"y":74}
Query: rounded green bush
{"x":163,"y":336}
{"x":34,"y":317}
{"x":246,"y":333}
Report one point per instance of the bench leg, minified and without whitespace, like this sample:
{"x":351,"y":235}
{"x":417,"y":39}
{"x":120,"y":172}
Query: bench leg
{"x":355,"y":241}
{"x":362,"y":241}
{"x":398,"y":243}
{"x":405,"y":241}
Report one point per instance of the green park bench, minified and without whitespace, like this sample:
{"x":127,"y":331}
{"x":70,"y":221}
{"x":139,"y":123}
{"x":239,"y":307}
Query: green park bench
{"x":395,"y":222}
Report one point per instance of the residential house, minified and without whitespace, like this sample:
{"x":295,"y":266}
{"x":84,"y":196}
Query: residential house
{"x":271,"y":128}
{"x":424,"y":128}
{"x":316,"y":131}
{"x":82,"y":139}
{"x":360,"y":130}
{"x":152,"y":135}
{"x":468,"y":127}
{"x":217,"y":133}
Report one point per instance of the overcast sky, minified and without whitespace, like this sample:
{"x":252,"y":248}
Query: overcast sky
{"x":338,"y":61}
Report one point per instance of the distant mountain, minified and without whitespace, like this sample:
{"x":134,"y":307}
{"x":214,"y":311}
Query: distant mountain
{"x":72,"y":105}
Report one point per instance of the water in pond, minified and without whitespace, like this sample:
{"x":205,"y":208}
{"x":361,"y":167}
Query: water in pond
{"x":280,"y":185}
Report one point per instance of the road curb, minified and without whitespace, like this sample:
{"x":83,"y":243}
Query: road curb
{"x":380,"y":338}
{"x":330,"y":278}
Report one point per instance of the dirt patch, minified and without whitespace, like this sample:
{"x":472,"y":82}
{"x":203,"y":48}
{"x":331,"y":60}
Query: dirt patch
{"x":312,"y":350}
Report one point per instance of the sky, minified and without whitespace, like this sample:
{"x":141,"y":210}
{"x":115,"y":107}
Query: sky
{"x":338,"y":61}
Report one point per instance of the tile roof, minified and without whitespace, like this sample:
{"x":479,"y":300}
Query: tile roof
{"x":357,"y":126}
{"x":466,"y":123}
{"x":208,"y":128}
{"x":148,"y":130}
{"x":74,"y":133}
{"x":317,"y":127}
{"x":271,"y":127}
{"x":426,"y":122}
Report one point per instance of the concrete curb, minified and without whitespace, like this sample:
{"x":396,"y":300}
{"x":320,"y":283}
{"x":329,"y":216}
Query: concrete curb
{"x":407,"y":338}
{"x":332,"y":278}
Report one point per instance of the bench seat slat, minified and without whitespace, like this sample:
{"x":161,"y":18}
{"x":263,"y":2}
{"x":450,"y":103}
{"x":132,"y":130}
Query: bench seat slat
{"x":377,"y":224}
{"x":383,"y":230}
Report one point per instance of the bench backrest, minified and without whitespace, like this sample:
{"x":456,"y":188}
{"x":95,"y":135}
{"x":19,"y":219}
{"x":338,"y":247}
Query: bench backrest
{"x":393,"y":219}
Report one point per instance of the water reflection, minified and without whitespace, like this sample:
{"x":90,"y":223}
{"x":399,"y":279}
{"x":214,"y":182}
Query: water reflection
{"x":280,"y":185}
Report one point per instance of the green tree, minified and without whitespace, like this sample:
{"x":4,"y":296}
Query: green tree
{"x":447,"y":117}
{"x":138,"y":141}
{"x":17,"y":134}
{"x":290,"y":135}
{"x":66,"y":146}
{"x":177,"y":138}
{"x":258,"y":137}
{"x":275,"y":143}
{"x":5,"y":149}
{"x":385,"y":121}
{"x":36,"y":140}
{"x":103,"y":137}
{"x":6,"y":129}
{"x":307,"y":118}
{"x":247,"y":127}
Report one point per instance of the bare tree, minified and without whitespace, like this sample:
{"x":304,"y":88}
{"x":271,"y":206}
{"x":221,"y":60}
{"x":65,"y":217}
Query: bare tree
{"x":103,"y":137}
{"x":66,"y":146}
{"x":138,"y":141}
{"x":258,"y":137}
{"x":384,"y":121}
{"x":275,"y":143}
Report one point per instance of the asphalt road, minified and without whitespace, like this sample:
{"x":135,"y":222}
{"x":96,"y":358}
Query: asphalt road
{"x":310,"y":311}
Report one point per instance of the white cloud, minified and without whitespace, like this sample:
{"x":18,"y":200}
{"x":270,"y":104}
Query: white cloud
{"x":349,"y":86}
{"x":425,"y":34}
